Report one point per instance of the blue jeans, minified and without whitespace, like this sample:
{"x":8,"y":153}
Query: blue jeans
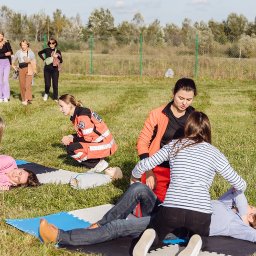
{"x":114,"y":223}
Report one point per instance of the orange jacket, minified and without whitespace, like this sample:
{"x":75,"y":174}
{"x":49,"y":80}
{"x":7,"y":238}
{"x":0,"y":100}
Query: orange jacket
{"x":91,"y":129}
{"x":150,"y":137}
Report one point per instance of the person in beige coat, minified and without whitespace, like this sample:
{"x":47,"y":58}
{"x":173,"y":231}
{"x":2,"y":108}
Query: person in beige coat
{"x":27,"y":68}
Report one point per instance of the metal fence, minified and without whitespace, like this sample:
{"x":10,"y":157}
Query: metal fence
{"x":199,"y":58}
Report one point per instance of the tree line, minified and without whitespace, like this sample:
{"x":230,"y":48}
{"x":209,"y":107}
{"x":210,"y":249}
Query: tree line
{"x":236,"y":30}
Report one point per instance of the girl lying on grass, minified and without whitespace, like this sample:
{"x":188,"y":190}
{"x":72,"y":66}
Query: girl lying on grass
{"x":10,"y":174}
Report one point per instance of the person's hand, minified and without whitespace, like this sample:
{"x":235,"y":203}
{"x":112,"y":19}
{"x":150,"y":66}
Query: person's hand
{"x":15,"y":67}
{"x":55,"y":55}
{"x":150,"y":179}
{"x":133,"y":179}
{"x":4,"y":188}
{"x":8,"y":54}
{"x":66,"y":140}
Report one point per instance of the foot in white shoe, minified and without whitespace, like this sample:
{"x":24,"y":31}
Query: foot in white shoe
{"x":25,"y":103}
{"x":5,"y":100}
{"x":193,"y":248}
{"x":45,"y":98}
{"x":145,"y":242}
{"x":100,"y":167}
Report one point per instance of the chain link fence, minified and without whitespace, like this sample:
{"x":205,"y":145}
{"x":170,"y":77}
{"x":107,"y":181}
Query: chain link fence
{"x":200,"y":57}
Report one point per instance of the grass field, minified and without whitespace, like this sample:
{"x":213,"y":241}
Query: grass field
{"x":33,"y":133}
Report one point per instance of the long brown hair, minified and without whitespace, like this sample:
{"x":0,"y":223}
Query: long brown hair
{"x":32,"y":180}
{"x":68,"y":98}
{"x":1,"y":128}
{"x":253,"y":223}
{"x":197,"y":129}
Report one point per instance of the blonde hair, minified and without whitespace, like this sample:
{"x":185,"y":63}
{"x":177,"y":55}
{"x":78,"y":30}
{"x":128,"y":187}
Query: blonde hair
{"x":1,"y":128}
{"x":68,"y":98}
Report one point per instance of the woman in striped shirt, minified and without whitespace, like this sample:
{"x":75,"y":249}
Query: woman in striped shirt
{"x":194,"y":163}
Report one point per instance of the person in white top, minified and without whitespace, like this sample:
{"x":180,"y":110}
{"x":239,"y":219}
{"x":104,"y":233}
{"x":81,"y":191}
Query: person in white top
{"x":194,"y":163}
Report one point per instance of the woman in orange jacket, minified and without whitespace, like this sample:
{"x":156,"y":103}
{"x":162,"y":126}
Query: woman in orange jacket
{"x":93,"y":141}
{"x":163,"y":125}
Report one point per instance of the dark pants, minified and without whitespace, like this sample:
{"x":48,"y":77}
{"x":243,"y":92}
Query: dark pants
{"x":114,"y":223}
{"x":167,"y":219}
{"x":90,"y":163}
{"x":51,"y":73}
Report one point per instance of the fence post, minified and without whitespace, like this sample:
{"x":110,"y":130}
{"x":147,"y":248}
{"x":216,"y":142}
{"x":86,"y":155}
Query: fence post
{"x":141,"y":51}
{"x":91,"y":53}
{"x":196,"y":56}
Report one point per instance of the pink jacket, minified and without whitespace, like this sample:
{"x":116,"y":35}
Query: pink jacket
{"x":7,"y":163}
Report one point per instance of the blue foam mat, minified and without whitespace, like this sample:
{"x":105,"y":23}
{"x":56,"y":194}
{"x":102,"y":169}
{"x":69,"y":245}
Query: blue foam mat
{"x":62,"y":220}
{"x":21,"y":162}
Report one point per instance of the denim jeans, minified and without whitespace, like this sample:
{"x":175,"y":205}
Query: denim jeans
{"x":114,"y":223}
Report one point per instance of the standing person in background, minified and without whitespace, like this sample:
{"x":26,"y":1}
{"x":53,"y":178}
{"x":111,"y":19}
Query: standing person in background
{"x":163,"y":125}
{"x":27,"y":68}
{"x":52,"y":58}
{"x":5,"y":64}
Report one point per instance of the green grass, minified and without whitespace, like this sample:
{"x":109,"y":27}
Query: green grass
{"x":33,"y":133}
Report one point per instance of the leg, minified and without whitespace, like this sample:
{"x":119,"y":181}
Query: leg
{"x":1,"y":79}
{"x":136,"y":193}
{"x":78,"y":152}
{"x":112,"y":230}
{"x":47,"y":80}
{"x":6,"y":86}
{"x":22,"y":80}
{"x":28,"y":91}
{"x":55,"y":81}
{"x":90,"y":163}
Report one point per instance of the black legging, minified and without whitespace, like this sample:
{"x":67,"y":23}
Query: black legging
{"x":51,"y":73}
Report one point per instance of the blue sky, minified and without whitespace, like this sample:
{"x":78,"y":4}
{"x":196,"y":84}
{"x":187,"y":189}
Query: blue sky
{"x":167,"y":11}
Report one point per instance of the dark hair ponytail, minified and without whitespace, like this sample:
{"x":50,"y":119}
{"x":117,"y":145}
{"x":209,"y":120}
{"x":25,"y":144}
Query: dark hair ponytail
{"x":186,"y":84}
{"x":197,"y":129}
{"x":68,"y":98}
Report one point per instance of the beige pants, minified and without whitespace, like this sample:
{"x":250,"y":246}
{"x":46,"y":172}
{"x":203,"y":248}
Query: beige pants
{"x":25,"y":84}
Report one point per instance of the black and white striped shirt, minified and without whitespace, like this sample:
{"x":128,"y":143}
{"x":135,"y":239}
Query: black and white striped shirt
{"x":192,"y":173}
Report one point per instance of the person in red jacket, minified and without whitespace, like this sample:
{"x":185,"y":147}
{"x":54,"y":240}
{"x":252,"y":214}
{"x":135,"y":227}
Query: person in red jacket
{"x":93,"y":141}
{"x":163,"y":125}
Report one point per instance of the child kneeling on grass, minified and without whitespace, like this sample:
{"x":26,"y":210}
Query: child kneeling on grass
{"x":93,"y":141}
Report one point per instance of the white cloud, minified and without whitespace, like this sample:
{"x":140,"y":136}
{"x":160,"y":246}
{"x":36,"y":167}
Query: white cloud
{"x":119,"y":4}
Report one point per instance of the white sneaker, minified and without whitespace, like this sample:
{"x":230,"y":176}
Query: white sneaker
{"x":25,"y":103}
{"x":193,"y":248}
{"x":45,"y":98}
{"x":145,"y":242}
{"x":5,"y":100}
{"x":100,"y":167}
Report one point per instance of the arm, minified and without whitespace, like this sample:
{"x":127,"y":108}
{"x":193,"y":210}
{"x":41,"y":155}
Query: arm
{"x":228,"y":173}
{"x":242,"y":231}
{"x":40,"y":54}
{"x":59,"y":56}
{"x":7,"y":163}
{"x":164,"y":154}
{"x":146,"y":135}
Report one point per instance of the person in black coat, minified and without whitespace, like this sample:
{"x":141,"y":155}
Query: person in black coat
{"x":52,"y":58}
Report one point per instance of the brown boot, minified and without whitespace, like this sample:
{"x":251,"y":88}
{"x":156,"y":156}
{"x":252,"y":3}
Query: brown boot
{"x":93,"y":226}
{"x":48,"y":232}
